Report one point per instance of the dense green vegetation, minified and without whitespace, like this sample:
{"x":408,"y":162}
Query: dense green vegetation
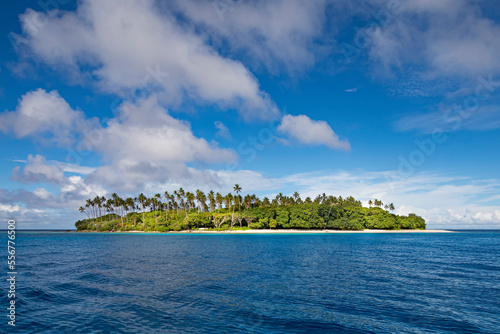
{"x":186,"y":211}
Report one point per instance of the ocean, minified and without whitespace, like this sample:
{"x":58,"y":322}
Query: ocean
{"x":278,"y":283}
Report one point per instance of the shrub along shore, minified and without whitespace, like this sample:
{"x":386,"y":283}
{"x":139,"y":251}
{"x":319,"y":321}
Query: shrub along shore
{"x":180,"y":212}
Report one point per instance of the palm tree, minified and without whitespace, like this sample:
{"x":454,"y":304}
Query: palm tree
{"x":391,"y":207}
{"x":190,"y":200}
{"x":211,"y":199}
{"x":370,"y":203}
{"x":180,"y":197}
{"x":142,"y":199}
{"x":89,"y":204}
{"x":296,"y":196}
{"x":82,"y":210}
{"x":199,"y":198}
{"x":167,"y":202}
{"x":228,"y":199}
{"x":279,"y":199}
{"x":219,"y":200}
{"x":237,"y":190}
{"x":157,"y":202}
{"x":253,"y":200}
{"x":109,"y":208}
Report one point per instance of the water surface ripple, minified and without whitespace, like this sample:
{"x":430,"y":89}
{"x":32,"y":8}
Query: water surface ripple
{"x":352,"y":283}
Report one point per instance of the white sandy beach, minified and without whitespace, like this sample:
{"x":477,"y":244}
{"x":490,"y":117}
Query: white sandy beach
{"x":292,"y":231}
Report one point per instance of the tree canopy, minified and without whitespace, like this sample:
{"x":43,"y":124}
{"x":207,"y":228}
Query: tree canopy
{"x":185,"y":210}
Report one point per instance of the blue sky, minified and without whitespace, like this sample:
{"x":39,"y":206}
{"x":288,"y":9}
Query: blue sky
{"x":396,"y":100}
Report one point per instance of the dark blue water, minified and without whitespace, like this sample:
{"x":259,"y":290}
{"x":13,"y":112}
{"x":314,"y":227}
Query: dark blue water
{"x":352,"y":283}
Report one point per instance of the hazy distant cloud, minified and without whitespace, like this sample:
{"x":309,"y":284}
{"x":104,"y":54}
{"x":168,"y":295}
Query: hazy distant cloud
{"x":223,"y":130}
{"x":174,"y":62}
{"x":281,"y":35}
{"x":311,"y":132}
{"x":445,"y":202}
{"x":352,"y":90}
{"x":452,"y":119}
{"x":467,"y":50}
{"x":37,"y":171}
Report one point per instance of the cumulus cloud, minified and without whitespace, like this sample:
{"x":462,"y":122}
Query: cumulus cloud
{"x":146,"y":132}
{"x":144,"y":144}
{"x":311,"y":132}
{"x":96,"y":41}
{"x":43,"y":114}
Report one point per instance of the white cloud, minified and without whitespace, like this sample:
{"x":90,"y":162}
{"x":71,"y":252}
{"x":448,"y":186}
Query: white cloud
{"x":311,"y":132}
{"x":279,"y":35}
{"x":9,"y":208}
{"x":452,"y":119}
{"x":223,"y":130}
{"x":43,"y":114}
{"x":445,"y":202}
{"x":351,"y":90}
{"x":38,"y":171}
{"x":99,"y":36}
{"x":419,"y":36}
{"x":145,"y":145}
{"x":42,"y":193}
{"x":146,"y":132}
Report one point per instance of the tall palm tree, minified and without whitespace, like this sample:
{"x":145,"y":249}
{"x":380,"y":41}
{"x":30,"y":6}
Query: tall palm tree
{"x":167,"y":202}
{"x":237,"y":189}
{"x":279,"y":199}
{"x":391,"y":207}
{"x":180,"y":197}
{"x":296,"y":196}
{"x":190,"y":201}
{"x":219,"y":199}
{"x":157,"y":202}
{"x":211,"y":200}
{"x":199,"y":198}
{"x":82,"y":210}
{"x":142,"y":199}
{"x":228,"y":199}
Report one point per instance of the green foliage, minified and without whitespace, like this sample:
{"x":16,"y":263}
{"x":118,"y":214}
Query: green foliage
{"x":338,"y":214}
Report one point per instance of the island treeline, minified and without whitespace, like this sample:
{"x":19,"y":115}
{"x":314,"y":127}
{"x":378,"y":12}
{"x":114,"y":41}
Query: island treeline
{"x":183,"y":210}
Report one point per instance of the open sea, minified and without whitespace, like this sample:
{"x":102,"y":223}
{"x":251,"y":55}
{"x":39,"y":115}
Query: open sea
{"x":301,"y":283}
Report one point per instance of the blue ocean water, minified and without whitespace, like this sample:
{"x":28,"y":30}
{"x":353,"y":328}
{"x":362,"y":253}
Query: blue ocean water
{"x":324,"y":283}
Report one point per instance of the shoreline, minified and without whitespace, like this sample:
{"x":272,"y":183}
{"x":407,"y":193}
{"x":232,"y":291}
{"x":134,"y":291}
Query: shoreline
{"x":267,"y":231}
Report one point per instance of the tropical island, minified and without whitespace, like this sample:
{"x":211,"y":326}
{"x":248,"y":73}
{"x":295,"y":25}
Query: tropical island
{"x":184,"y":210}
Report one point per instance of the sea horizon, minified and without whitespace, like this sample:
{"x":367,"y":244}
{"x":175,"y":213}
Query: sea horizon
{"x":264,"y":166}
